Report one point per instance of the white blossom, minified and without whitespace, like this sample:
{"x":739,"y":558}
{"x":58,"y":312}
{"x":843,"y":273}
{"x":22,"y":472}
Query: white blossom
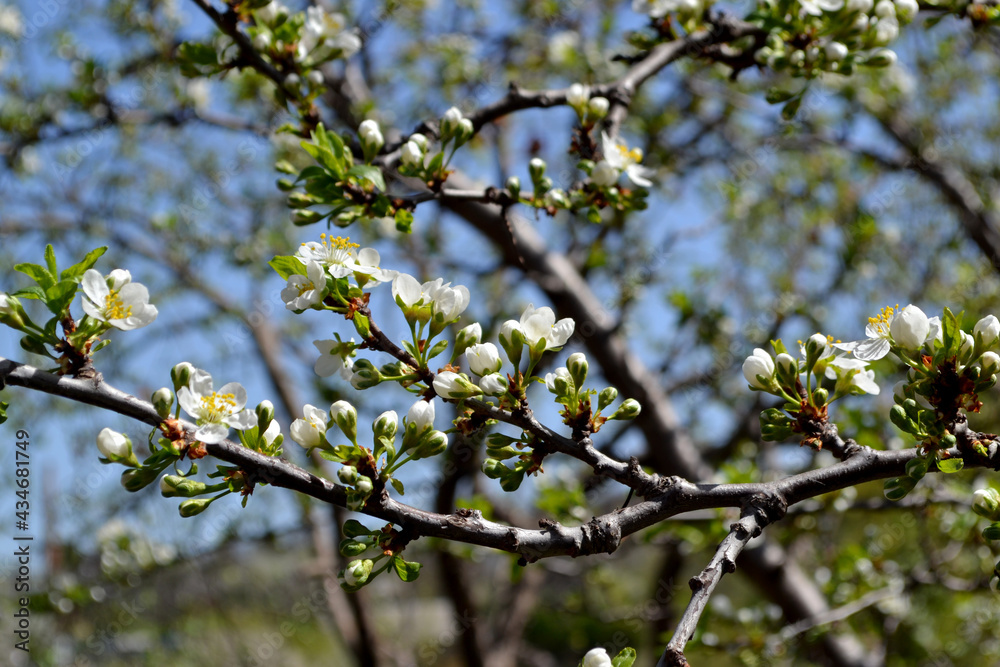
{"x":987,"y":330}
{"x":421,"y":414}
{"x":493,"y":384}
{"x":909,"y":328}
{"x":604,"y":175}
{"x":215,"y":411}
{"x":597,"y":657}
{"x":124,"y":305}
{"x":851,"y":373}
{"x":817,"y":7}
{"x":539,"y":324}
{"x":334,"y":357}
{"x":113,"y":445}
{"x":761,"y":364}
{"x":577,"y":96}
{"x":835,"y":51}
{"x":303,"y":292}
{"x":619,"y":156}
{"x":311,"y":429}
{"x":483,"y":358}
{"x":411,"y":154}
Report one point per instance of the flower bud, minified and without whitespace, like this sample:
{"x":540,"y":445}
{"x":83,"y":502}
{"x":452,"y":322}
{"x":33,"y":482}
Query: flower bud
{"x":364,"y":375}
{"x":12,"y":312}
{"x":181,"y":374}
{"x":116,"y":448}
{"x":265,"y":414}
{"x":363,"y":485}
{"x":493,"y":384}
{"x":483,"y":358}
{"x":194,"y":506}
{"x":135,"y":479}
{"x":577,"y":96}
{"x":965,"y":351}
{"x":412,"y":155}
{"x":514,"y":187}
{"x":990,"y":362}
{"x":597,"y":657}
{"x":987,"y":331}
{"x":606,"y":397}
{"x":467,"y":337}
{"x":816,"y":346}
{"x":348,"y":475}
{"x":788,"y":366}
{"x":578,"y":367}
{"x":176,"y":486}
{"x":464,"y":132}
{"x":385,"y":425}
{"x":261,"y":41}
{"x":536,"y":167}
{"x":452,"y":385}
{"x":357,"y":572}
{"x":421,"y":415}
{"x":560,"y":382}
{"x":163,"y":401}
{"x":352,"y":548}
{"x":986,"y":503}
{"x":450,"y":124}
{"x":371,"y":139}
{"x":432,"y":444}
{"x":835,"y":51}
{"x":758,"y":368}
{"x":344,"y":415}
{"x":512,"y":341}
{"x":881,"y":58}
{"x":597,"y":108}
{"x":627,"y":410}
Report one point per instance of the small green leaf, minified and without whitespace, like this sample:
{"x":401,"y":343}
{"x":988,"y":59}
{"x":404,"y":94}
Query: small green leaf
{"x":992,"y":531}
{"x":407,"y":571}
{"x":3,"y":411}
{"x":624,"y":659}
{"x":396,"y":484}
{"x":916,"y":468}
{"x":50,"y":259}
{"x":370,"y":173}
{"x":897,"y":487}
{"x":404,"y":221}
{"x":287,"y":266}
{"x":778,"y":95}
{"x":76,"y":271}
{"x":37,"y":273}
{"x":59,"y":296}
{"x":791,"y":108}
{"x":950,"y":465}
{"x":30,"y":292}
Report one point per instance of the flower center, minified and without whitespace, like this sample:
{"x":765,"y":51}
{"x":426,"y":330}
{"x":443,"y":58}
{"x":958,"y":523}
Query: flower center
{"x":115,"y":308}
{"x":880,"y":322}
{"x":218,"y":405}
{"x":633,"y":156}
{"x":306,"y":287}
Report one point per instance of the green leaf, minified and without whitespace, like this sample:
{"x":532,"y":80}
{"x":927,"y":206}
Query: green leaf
{"x":3,"y":411}
{"x":438,"y":348}
{"x":370,"y":173}
{"x":950,"y":465}
{"x":777,"y":96}
{"x":992,"y":532}
{"x":59,"y":296}
{"x":791,"y":108}
{"x":624,"y":659}
{"x":76,"y":271}
{"x":917,"y":468}
{"x":30,"y":292}
{"x":396,"y":484}
{"x":952,"y":338}
{"x":50,"y":259}
{"x":897,"y":487}
{"x":404,"y":221}
{"x":197,"y":59}
{"x":407,"y":571}
{"x":37,"y":273}
{"x":287,"y":265}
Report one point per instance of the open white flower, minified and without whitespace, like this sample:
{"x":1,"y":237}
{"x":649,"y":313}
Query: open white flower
{"x":817,"y":7}
{"x":328,"y":31}
{"x":604,"y":175}
{"x":336,"y":254}
{"x":124,"y":305}
{"x":539,"y":324}
{"x":215,"y":411}
{"x":310,"y":431}
{"x":852,"y":374}
{"x":303,"y":292}
{"x":334,"y":357}
{"x":619,"y":156}
{"x":434,"y":300}
{"x":656,"y":9}
{"x":908,"y":328}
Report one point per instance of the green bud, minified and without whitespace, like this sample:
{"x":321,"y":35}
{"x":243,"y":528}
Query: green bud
{"x":194,"y":506}
{"x":265,"y":415}
{"x":597,"y":108}
{"x":514,"y":187}
{"x":493,"y":468}
{"x":345,"y":416}
{"x":350,"y":548}
{"x":536,"y":167}
{"x":183,"y":487}
{"x":431,"y":444}
{"x":356,"y":573}
{"x":285,"y":185}
{"x":163,"y":401}
{"x":578,"y":367}
{"x":821,"y":395}
{"x":348,"y":475}
{"x":606,"y":397}
{"x":365,"y":374}
{"x":285,"y":167}
{"x":135,"y":479}
{"x":181,"y":374}
{"x":303,"y":217}
{"x":300,"y":200}
{"x":628,"y":410}
{"x":881,"y":58}
{"x":992,"y":532}
{"x":12,"y":312}
{"x":386,"y":425}
{"x":986,"y":503}
{"x":364,"y":485}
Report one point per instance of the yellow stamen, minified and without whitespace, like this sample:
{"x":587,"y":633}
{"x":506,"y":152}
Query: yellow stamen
{"x":219,"y":405}
{"x":880,"y":322}
{"x":115,"y":308}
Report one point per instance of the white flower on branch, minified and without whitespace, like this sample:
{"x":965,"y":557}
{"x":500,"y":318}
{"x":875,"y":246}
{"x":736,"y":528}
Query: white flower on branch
{"x":539,"y":324}
{"x":334,"y":357}
{"x":909,"y":328}
{"x":758,"y":369}
{"x":597,"y":657}
{"x":306,"y":291}
{"x":852,"y":376}
{"x":124,"y":304}
{"x":627,"y":160}
{"x":215,"y":411}
{"x":310,"y":431}
{"x":483,"y":359}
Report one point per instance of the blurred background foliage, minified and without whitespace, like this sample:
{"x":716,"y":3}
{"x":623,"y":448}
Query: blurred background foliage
{"x":758,"y":228}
